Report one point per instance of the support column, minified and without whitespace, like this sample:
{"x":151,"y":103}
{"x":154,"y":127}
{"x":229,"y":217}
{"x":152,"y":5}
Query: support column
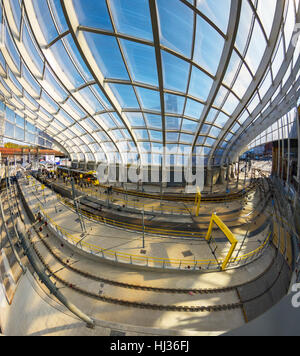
{"x":238,"y":173}
{"x":209,"y":178}
{"x":289,"y":152}
{"x":279,"y":151}
{"x":298,"y":166}
{"x":282,"y":151}
{"x":245,"y":172}
{"x":222,"y":174}
{"x":232,"y":175}
{"x":227,"y":177}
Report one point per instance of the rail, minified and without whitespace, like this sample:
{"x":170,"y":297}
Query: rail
{"x":28,"y":249}
{"x":121,"y":257}
{"x":147,"y":229}
{"x":241,"y":304}
{"x":150,"y":199}
{"x":208,"y":199}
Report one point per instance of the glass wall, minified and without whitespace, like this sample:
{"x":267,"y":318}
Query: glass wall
{"x":285,"y":127}
{"x":19,"y":129}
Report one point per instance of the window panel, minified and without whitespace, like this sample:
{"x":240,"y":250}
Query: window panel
{"x":242,"y":82}
{"x":150,"y":99}
{"x":132,"y":17}
{"x":200,"y":84}
{"x":106,"y":52}
{"x":142,"y":134}
{"x":90,"y":100}
{"x":193,"y":109}
{"x":125,"y":95}
{"x":186,"y":138}
{"x":9,"y":129}
{"x":135,"y":119}
{"x":11,"y":48}
{"x":188,"y":125}
{"x":244,"y":26}
{"x":154,"y":120}
{"x":155,"y":135}
{"x":266,"y":12}
{"x":106,"y":120}
{"x":141,"y":61}
{"x":172,"y":136}
{"x":59,"y":15}
{"x":175,"y":71}
{"x":256,"y":48}
{"x":17,"y":13}
{"x":176,"y":25}
{"x":10,"y":115}
{"x":93,"y":13}
{"x":217,"y":11}
{"x":76,"y":57}
{"x":31,"y":49}
{"x":173,"y":123}
{"x":52,"y":85}
{"x":66,"y":64}
{"x":208,"y":46}
{"x":174,"y":103}
{"x":45,"y":21}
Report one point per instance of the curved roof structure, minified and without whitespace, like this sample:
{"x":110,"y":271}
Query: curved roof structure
{"x":127,"y":79}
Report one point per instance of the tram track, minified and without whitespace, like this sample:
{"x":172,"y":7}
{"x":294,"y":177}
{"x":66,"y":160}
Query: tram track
{"x":194,"y":229}
{"x":219,"y":197}
{"x":240,"y":304}
{"x":213,"y":292}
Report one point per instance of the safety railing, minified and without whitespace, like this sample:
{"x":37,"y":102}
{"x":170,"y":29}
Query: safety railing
{"x":156,"y":262}
{"x":155,"y":206}
{"x":167,"y":263}
{"x":136,"y":227}
{"x":148,"y":229}
{"x":154,"y":203}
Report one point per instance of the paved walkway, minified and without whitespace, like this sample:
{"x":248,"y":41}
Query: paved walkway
{"x":149,"y":205}
{"x":34,"y":312}
{"x":124,"y":246}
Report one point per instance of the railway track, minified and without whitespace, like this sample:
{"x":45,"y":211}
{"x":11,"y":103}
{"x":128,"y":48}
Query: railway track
{"x":167,"y":197}
{"x":194,"y":229}
{"x":239,"y":304}
{"x":176,"y":197}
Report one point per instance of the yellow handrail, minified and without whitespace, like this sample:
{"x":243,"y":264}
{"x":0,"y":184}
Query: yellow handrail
{"x":136,"y":258}
{"x":117,"y":254}
{"x":135,"y":226}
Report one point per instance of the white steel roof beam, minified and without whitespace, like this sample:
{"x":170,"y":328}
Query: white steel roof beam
{"x":276,"y":83}
{"x":259,"y":75}
{"x":234,"y":19}
{"x":87,"y":56}
{"x":286,"y":100}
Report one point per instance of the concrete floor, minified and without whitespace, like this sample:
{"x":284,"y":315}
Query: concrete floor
{"x":155,"y":205}
{"x":113,"y":241}
{"x":34,"y":312}
{"x":39,"y":314}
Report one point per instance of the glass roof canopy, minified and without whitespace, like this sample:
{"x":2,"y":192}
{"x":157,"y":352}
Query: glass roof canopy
{"x":119,"y":80}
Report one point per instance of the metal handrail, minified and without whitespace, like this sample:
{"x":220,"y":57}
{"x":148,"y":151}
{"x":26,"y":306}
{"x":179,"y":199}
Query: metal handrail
{"x":115,"y":254}
{"x":130,"y":258}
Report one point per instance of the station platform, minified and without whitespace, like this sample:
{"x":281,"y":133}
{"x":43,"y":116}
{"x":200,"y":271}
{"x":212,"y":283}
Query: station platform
{"x":85,"y":276}
{"x":133,"y":247}
{"x":237,"y":214}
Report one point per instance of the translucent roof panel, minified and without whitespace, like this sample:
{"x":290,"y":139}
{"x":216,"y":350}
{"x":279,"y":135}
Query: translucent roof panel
{"x":109,"y":77}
